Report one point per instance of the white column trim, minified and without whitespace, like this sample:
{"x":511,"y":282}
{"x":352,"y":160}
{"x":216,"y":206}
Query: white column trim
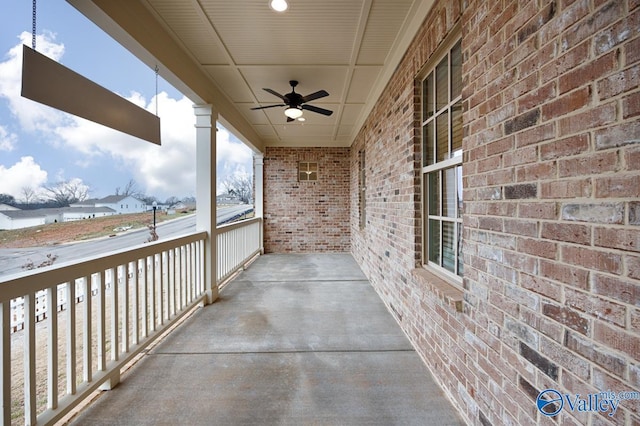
{"x":206,"y":219}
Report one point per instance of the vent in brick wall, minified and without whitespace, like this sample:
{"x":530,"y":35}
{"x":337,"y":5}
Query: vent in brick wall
{"x":307,"y":171}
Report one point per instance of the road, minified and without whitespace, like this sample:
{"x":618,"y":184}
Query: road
{"x":11,"y":260}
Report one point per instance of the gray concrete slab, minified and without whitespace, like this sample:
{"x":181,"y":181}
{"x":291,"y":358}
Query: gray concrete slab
{"x":294,"y":340}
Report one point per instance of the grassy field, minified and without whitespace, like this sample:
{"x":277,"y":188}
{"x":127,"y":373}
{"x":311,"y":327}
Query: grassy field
{"x":58,"y":233}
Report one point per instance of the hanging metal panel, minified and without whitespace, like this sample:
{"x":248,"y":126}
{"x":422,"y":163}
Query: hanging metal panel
{"x":48,"y":82}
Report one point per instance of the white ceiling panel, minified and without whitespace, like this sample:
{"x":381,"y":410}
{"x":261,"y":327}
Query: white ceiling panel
{"x":229,"y":50}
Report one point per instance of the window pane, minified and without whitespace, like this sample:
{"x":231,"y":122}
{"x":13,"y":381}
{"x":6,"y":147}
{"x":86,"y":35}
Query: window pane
{"x":456,"y":71}
{"x":442,"y":136}
{"x":460,"y":259}
{"x":428,"y":148}
{"x":442,"y":84}
{"x":434,"y":241}
{"x":427,"y":97}
{"x":449,"y":192}
{"x":434,"y":193}
{"x":448,"y":253}
{"x":456,"y":129}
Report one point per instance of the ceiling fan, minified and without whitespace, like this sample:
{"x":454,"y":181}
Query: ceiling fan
{"x":295,"y":102}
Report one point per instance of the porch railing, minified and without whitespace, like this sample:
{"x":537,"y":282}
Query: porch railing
{"x":236,"y":244}
{"x":96,"y":315}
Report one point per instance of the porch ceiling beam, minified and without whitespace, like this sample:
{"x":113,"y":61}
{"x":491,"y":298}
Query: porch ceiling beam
{"x":131,"y":24}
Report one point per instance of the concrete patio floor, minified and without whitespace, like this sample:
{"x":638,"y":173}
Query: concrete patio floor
{"x":293,"y":340}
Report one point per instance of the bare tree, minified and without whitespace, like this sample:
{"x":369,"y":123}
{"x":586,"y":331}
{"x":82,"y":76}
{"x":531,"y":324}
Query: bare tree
{"x":67,"y":192}
{"x":131,"y":188}
{"x":171,"y":201}
{"x":240,"y":186}
{"x":29,"y":194}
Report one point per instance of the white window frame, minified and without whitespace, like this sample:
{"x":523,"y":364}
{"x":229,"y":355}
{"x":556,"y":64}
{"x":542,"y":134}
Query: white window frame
{"x":440,"y":166}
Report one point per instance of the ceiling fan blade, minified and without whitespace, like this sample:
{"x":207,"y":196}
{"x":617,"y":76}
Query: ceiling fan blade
{"x":317,"y":95}
{"x":273,"y":92}
{"x":317,"y":109}
{"x":268,"y":106}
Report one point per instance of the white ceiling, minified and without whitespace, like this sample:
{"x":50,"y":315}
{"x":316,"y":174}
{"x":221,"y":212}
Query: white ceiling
{"x":224,"y":52}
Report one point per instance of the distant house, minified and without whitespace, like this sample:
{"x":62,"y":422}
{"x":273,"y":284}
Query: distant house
{"x":121,"y":204}
{"x":18,"y":219}
{"x":228,"y":199}
{"x":4,"y":207}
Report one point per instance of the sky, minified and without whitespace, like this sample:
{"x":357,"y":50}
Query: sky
{"x":41,"y":146}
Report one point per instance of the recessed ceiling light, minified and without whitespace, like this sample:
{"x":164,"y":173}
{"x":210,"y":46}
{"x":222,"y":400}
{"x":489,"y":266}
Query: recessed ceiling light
{"x":278,"y":5}
{"x":302,"y":119}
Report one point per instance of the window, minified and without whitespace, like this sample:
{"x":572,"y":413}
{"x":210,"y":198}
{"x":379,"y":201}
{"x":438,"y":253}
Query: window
{"x":362,"y":191}
{"x":442,"y":162}
{"x":307,"y":171}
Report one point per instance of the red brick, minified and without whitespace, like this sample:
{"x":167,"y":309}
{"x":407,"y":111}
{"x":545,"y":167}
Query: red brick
{"x":603,"y":17}
{"x":618,"y":187}
{"x":566,"y":62}
{"x":632,"y":159}
{"x":576,"y":188}
{"x":615,"y":136}
{"x":631,"y":105}
{"x":595,"y":306}
{"x":592,"y":259}
{"x":537,"y":171}
{"x":566,"y":274}
{"x":621,"y":82}
{"x":594,"y":164}
{"x":538,"y":210}
{"x":541,"y":286}
{"x":594,"y":117}
{"x":596,"y":353}
{"x":545,"y":249}
{"x":632,"y":51}
{"x":570,"y":102}
{"x":537,"y":97}
{"x":617,"y":288}
{"x":572,"y":145}
{"x":633,"y":266}
{"x":536,"y":135}
{"x":617,"y":338}
{"x":623,"y":239}
{"x":589,"y":72}
{"x":568,"y":232}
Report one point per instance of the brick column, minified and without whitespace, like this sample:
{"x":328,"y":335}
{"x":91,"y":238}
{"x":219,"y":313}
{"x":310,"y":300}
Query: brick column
{"x":206,"y":192}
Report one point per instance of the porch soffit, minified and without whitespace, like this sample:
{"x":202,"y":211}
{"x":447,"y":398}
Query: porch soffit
{"x":223,"y":52}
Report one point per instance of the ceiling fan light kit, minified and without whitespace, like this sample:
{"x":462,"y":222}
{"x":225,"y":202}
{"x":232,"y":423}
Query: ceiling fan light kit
{"x":293,"y":112}
{"x":278,"y":5}
{"x":296,"y":103}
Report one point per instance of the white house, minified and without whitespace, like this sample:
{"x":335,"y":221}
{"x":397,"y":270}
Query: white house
{"x":16,"y":219}
{"x":78,"y":213}
{"x":121,"y":204}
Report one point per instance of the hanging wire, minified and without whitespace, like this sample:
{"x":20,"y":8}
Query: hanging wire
{"x":157,"y":70}
{"x":33,"y":26}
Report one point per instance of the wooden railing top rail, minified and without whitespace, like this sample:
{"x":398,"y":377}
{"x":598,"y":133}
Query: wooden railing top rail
{"x":17,"y":285}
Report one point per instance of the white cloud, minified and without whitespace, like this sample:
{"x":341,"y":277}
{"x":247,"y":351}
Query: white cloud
{"x":25,"y":173}
{"x":162,"y":171}
{"x":31,"y":115}
{"x":7,"y":140}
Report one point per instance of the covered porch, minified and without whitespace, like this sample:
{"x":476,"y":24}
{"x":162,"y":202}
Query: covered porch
{"x":293,"y":339}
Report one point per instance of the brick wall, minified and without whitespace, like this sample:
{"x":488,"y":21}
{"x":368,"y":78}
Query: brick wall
{"x":552,"y":208}
{"x":306,"y":216}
